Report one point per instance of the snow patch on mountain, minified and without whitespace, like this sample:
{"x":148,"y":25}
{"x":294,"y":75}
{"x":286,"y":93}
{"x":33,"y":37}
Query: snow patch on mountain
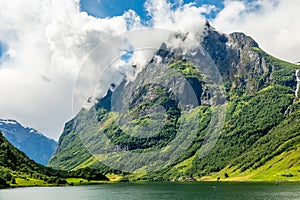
{"x":8,"y":121}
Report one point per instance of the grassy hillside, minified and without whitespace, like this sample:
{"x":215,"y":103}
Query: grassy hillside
{"x":16,"y":169}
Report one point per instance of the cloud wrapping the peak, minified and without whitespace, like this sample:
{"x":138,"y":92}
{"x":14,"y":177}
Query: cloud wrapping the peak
{"x":186,"y":19}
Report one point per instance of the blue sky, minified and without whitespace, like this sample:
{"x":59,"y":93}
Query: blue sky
{"x":3,"y":49}
{"x":110,"y":8}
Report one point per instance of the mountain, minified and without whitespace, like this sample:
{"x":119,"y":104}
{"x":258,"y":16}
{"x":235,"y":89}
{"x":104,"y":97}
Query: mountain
{"x":250,"y":110}
{"x":16,"y":169}
{"x":35,"y":145}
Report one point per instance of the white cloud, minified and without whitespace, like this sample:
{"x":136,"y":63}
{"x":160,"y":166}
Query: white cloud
{"x":273,"y":24}
{"x":47,"y":42}
{"x":186,"y":18}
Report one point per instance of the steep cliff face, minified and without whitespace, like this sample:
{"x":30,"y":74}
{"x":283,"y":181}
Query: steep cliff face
{"x":242,"y":64}
{"x":258,"y":89}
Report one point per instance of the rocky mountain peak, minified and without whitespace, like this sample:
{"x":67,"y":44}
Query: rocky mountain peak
{"x":241,"y":40}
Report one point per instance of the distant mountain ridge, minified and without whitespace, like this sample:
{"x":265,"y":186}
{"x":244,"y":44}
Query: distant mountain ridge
{"x":33,"y":143}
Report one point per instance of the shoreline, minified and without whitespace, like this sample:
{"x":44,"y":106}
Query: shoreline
{"x":146,"y":182}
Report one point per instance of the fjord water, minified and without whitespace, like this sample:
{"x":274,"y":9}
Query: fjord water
{"x":161,"y":191}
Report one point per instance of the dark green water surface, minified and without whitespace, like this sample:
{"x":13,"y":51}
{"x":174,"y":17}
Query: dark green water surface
{"x":161,"y":191}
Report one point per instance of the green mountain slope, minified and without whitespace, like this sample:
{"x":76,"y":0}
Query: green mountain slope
{"x":259,"y":140}
{"x":16,"y":169}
